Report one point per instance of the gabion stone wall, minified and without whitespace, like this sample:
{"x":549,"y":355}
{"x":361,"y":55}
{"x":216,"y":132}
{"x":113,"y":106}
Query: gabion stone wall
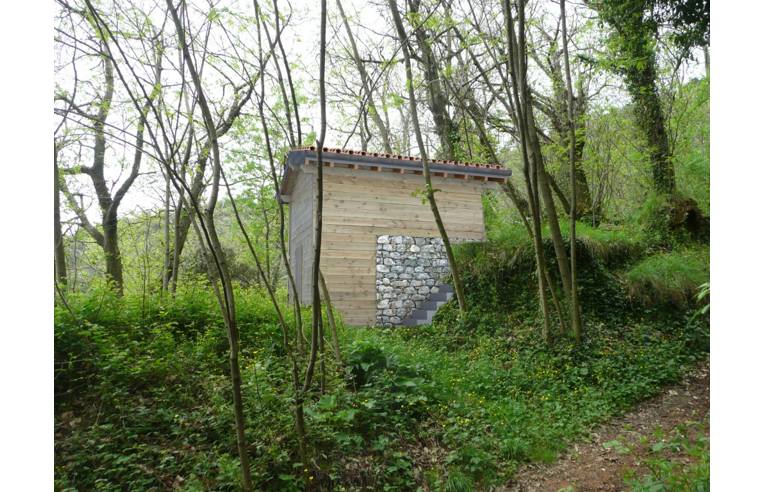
{"x":409,"y":270}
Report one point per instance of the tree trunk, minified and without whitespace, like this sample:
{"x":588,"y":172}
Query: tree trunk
{"x":518,"y":74}
{"x":299,"y":413}
{"x":557,"y":109}
{"x":109,"y":204}
{"x":633,"y":38}
{"x":366,"y":84}
{"x":580,"y":187}
{"x":269,"y":277}
{"x":430,"y":192}
{"x":330,"y":318}
{"x":174,"y":270}
{"x":167,"y":261}
{"x":579,"y":181}
{"x":229,"y":309}
{"x":651,"y":121}
{"x":546,"y":196}
{"x":318,"y":217}
{"x":183,"y":219}
{"x":448,"y":132}
{"x":58,"y":237}
{"x":707,"y":62}
{"x":575,"y":314}
{"x":112,"y":253}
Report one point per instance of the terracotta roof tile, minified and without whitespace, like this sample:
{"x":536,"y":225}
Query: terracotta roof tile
{"x":331,"y":150}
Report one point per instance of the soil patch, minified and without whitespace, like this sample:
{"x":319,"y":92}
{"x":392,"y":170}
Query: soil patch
{"x":595,"y":466}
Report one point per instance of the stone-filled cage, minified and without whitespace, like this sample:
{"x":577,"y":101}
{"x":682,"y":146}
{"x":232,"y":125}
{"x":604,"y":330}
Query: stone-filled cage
{"x":409,"y":271}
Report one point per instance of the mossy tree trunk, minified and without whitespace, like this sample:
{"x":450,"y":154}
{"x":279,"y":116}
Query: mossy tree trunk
{"x":633,"y":38}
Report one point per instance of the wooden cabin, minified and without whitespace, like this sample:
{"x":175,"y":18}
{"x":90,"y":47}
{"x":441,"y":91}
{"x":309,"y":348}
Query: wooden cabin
{"x":381,"y":253}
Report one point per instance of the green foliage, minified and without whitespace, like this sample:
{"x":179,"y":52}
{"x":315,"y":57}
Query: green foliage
{"x":671,"y":277}
{"x":689,"y":19}
{"x":677,"y":461}
{"x":512,"y":399}
{"x":143,"y":394}
{"x":143,"y":399}
{"x":394,"y":394}
{"x":691,"y":129}
{"x":616,"y":163}
{"x":654,"y":219}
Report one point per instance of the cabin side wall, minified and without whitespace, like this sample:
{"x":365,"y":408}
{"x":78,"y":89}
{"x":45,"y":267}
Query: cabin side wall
{"x":301,"y":234}
{"x":360,"y":205}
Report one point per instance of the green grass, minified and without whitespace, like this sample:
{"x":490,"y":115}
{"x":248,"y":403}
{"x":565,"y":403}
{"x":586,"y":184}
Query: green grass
{"x":673,"y":276}
{"x":611,"y":244}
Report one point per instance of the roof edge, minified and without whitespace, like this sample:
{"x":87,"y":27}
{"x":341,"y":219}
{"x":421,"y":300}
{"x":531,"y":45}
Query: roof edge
{"x":296,"y":158}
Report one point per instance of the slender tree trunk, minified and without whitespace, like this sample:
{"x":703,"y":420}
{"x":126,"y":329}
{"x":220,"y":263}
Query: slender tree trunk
{"x":276,"y":184}
{"x":552,"y":219}
{"x":180,"y":206}
{"x":575,"y":314}
{"x":175,"y":268}
{"x":430,"y":192}
{"x":707,"y":62}
{"x":545,"y":192}
{"x":518,"y":75}
{"x":58,"y":237}
{"x":318,"y":217}
{"x":475,"y":111}
{"x":229,"y":311}
{"x":288,"y":71}
{"x":580,"y":181}
{"x":167,"y":259}
{"x":563,"y":97}
{"x":267,"y":243}
{"x":284,"y":97}
{"x":447,"y":130}
{"x":183,"y":217}
{"x":330,"y":318}
{"x":321,"y":356}
{"x":542,"y":275}
{"x":366,"y":83}
{"x":298,"y":409}
{"x":146,"y":268}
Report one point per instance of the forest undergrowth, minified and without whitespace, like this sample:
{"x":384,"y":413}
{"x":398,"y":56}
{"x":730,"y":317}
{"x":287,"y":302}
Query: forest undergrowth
{"x":142,"y":398}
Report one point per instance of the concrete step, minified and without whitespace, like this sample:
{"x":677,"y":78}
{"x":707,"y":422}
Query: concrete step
{"x":425,"y":312}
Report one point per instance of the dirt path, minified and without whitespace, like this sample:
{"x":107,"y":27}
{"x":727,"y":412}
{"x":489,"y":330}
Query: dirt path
{"x":589,"y":467}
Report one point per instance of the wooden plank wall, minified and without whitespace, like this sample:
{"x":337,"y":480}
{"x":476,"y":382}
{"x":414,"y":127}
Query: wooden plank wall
{"x":359,"y":205}
{"x":301,"y":232}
